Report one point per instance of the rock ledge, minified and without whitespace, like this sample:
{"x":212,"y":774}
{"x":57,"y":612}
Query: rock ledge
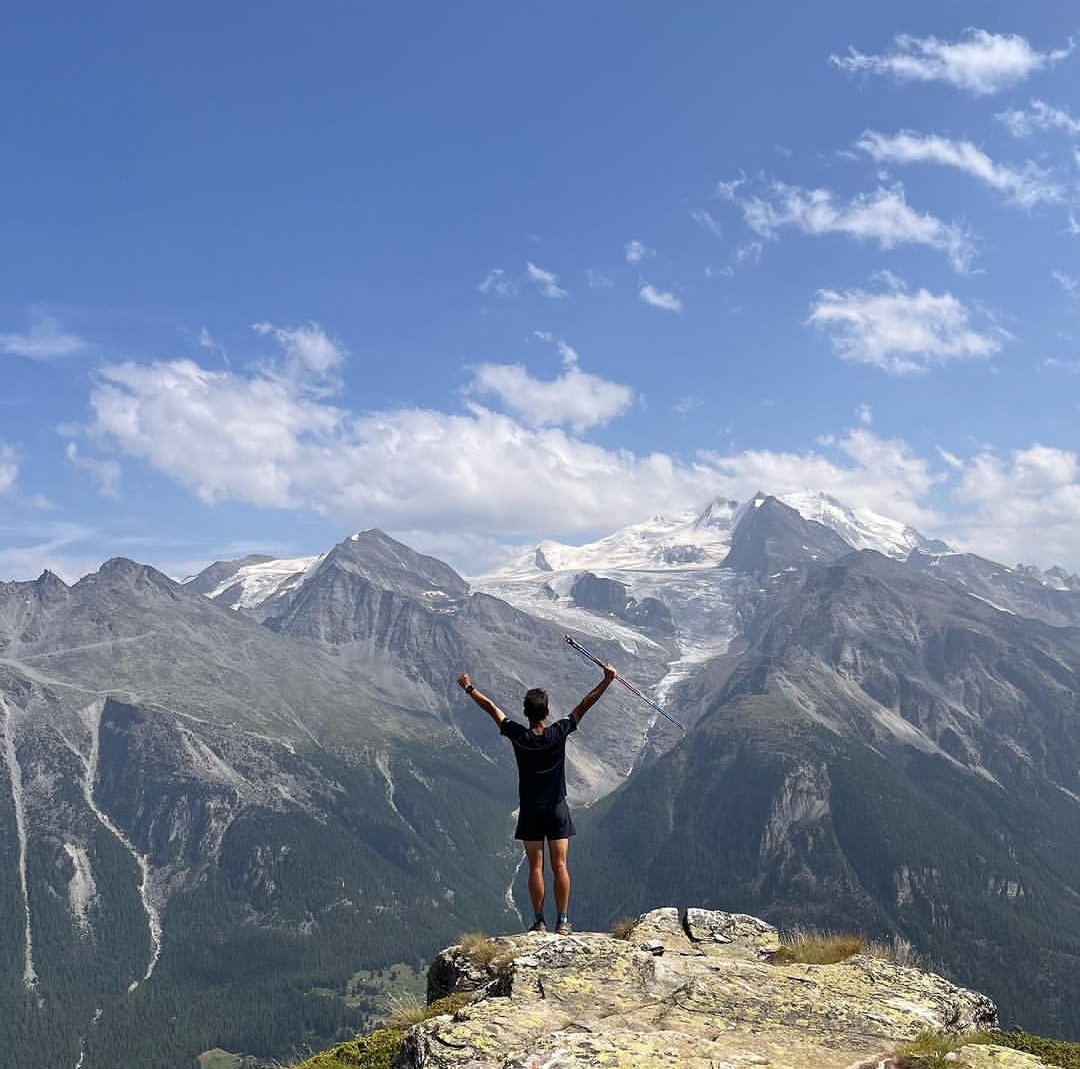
{"x":695,"y":991}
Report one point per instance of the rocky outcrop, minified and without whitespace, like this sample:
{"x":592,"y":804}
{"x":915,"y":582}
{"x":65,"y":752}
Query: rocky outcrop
{"x":696,"y":990}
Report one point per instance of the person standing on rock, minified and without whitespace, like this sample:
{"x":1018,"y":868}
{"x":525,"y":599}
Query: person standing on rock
{"x":540,"y":751}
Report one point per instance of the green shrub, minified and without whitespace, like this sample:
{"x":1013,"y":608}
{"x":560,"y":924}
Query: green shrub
{"x":1052,"y":1051}
{"x":928,"y":1050}
{"x":376,"y":1050}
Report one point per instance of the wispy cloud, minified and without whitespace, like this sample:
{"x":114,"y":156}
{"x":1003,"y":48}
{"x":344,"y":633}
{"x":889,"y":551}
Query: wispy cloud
{"x":883,"y":216}
{"x":981,"y":64}
{"x":547,"y":281}
{"x":1039,"y":117}
{"x":597,"y":280}
{"x":1070,"y":286}
{"x":45,"y":340}
{"x":44,"y":549}
{"x":704,"y":219}
{"x":106,"y":473}
{"x":687,"y":404}
{"x":901,"y":333}
{"x":864,"y":414}
{"x":636,"y":251}
{"x":496,"y":281}
{"x":1027,"y":187}
{"x":310,"y":357}
{"x":9,"y":467}
{"x":659,"y":298}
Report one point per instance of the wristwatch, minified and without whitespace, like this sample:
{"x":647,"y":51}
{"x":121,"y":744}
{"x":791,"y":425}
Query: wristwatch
{"x":469,"y":689}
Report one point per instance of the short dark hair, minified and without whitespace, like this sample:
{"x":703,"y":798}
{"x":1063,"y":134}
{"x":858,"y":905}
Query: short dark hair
{"x":536,"y":705}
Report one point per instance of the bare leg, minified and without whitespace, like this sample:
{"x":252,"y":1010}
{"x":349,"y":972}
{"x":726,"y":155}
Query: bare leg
{"x":558,"y":849}
{"x":534,"y":851}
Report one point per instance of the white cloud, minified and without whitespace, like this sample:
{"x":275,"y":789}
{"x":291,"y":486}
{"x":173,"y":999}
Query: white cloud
{"x":597,"y":280}
{"x":495,"y":281}
{"x":1025,"y":504}
{"x":311,"y":358}
{"x":864,"y":414}
{"x":863,"y":470}
{"x":728,"y":190}
{"x":981,"y":64}
{"x":704,"y":219}
{"x":106,"y":473}
{"x":883,"y":216}
{"x":548,"y":281}
{"x":687,"y":404}
{"x":899,"y":332}
{"x":659,"y":298}
{"x":441,"y":477}
{"x":1069,"y":285}
{"x":636,"y":251}
{"x":576,"y":398}
{"x":45,"y":340}
{"x":9,"y":467}
{"x":1039,"y":117}
{"x":1027,"y":187}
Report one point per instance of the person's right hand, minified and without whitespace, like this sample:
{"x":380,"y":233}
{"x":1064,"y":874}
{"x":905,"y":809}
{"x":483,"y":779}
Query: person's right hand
{"x":463,"y":680}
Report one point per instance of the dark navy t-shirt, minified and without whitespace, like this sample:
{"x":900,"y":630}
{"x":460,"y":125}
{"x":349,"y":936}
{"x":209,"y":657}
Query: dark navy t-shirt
{"x":541,"y":761}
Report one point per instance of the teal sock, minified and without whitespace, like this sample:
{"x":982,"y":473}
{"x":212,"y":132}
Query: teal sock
{"x":538,"y":917}
{"x":563,"y":917}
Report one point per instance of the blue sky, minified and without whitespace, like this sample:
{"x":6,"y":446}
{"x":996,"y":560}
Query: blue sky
{"x":482,"y":273}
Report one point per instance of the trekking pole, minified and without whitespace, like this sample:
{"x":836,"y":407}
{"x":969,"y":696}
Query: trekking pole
{"x":575,"y":645}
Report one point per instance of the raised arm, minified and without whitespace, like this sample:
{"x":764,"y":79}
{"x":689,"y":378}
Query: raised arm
{"x":483,"y":700}
{"x":593,"y":696}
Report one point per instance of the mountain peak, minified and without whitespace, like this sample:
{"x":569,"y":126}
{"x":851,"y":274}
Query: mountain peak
{"x":770,"y":537}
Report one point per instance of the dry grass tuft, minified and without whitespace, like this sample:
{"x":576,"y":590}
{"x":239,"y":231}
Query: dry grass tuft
{"x":898,"y":950}
{"x":484,"y":952}
{"x":818,"y":948}
{"x":624,"y":927}
{"x":409,"y":1010}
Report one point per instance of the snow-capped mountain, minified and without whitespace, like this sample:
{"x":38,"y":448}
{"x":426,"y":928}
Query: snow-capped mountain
{"x":862,"y":528}
{"x":678,"y":562}
{"x":247,"y":583}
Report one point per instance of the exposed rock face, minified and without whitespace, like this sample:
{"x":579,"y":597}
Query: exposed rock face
{"x":695,"y":990}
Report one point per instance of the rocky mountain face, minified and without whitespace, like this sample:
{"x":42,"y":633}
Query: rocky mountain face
{"x":880,"y":744}
{"x":206,"y":820}
{"x":221,"y":801}
{"x":698,"y":990}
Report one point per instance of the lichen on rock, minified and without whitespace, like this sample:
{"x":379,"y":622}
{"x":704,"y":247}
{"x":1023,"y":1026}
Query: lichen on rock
{"x":695,"y":990}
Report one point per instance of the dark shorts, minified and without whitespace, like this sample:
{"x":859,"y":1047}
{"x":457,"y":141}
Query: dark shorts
{"x":536,"y":824}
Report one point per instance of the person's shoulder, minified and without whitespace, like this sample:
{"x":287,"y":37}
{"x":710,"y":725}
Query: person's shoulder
{"x":512,"y":729}
{"x":561,"y":728}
